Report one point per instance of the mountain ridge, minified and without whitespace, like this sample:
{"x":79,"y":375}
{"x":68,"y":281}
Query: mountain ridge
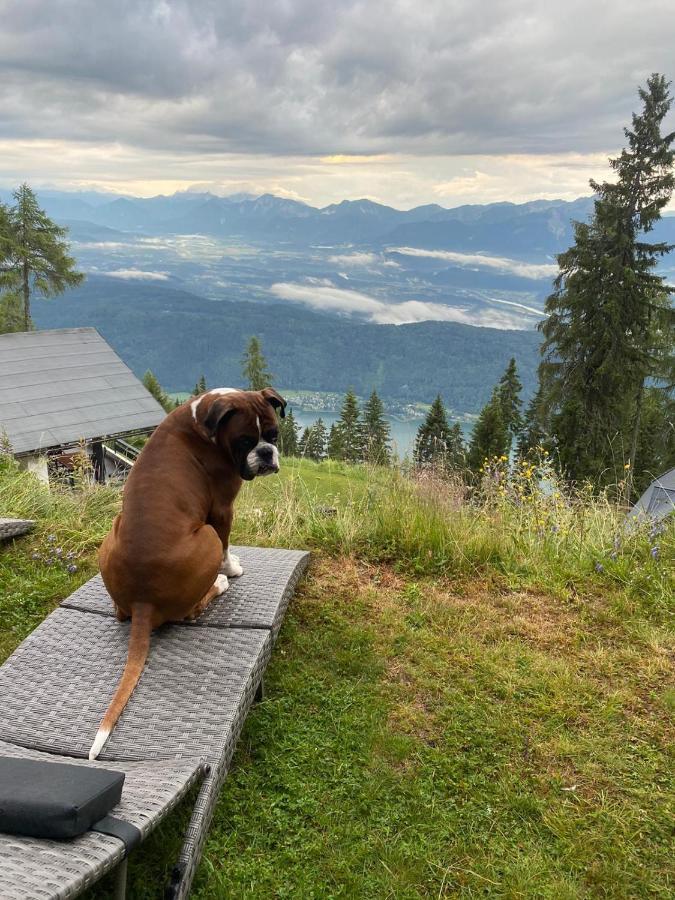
{"x":268,"y":216}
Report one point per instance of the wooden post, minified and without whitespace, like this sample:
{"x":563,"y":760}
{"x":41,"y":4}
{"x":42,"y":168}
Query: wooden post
{"x":98,"y":460}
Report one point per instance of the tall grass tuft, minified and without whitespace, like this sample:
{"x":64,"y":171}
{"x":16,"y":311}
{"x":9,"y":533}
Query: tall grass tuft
{"x":524,"y":524}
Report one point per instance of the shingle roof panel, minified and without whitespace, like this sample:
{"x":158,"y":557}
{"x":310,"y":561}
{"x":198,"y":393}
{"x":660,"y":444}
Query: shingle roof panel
{"x":58,"y":387}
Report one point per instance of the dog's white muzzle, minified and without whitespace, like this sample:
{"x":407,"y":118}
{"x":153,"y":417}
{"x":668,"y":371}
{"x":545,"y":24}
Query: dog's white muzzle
{"x":263,"y":459}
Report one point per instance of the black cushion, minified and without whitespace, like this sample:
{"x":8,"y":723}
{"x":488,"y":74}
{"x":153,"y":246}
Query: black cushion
{"x":54,"y":800}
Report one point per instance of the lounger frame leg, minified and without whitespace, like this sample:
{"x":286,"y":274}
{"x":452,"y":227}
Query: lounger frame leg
{"x":120,"y":889}
{"x":260,"y":691}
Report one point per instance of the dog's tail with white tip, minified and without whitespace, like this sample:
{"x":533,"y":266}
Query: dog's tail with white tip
{"x":139,"y":645}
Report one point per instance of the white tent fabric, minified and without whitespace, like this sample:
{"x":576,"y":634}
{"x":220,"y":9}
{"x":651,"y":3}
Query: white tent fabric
{"x":658,"y":501}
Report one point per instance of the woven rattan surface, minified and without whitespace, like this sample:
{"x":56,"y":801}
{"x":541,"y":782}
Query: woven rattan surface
{"x":11,"y":528}
{"x":257,"y":599}
{"x":33,"y":868}
{"x":192,"y":699}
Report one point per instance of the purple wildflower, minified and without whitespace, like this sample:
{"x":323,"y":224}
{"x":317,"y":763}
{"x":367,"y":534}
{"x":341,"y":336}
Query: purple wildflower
{"x":49,"y":561}
{"x":72,"y":568}
{"x":599,"y":567}
{"x":613,"y":554}
{"x":35,"y":556}
{"x":59,"y":551}
{"x":51,"y":538}
{"x":654,"y":552}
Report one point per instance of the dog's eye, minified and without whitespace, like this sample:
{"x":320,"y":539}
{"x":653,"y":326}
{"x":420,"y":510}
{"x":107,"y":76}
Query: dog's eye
{"x":247,"y":443}
{"x":272,"y":436}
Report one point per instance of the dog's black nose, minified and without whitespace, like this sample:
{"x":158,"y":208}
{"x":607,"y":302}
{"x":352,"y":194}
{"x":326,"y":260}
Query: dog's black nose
{"x":266,"y":455}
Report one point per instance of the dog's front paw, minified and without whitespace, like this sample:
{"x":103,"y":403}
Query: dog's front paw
{"x":231,"y":565}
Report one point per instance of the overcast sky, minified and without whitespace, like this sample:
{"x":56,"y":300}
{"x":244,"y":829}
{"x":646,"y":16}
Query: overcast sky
{"x":402,"y":101}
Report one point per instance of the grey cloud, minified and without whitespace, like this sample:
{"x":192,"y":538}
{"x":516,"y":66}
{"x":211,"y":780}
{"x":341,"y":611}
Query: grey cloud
{"x":300,"y":77}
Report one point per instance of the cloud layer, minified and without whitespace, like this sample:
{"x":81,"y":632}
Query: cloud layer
{"x":339,"y":79}
{"x":476,"y":260}
{"x":322,"y":295}
{"x":92,"y":87}
{"x":136,"y":275}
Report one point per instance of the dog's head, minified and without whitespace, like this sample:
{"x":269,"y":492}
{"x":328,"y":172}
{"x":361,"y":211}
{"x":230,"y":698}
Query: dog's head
{"x":244,"y":425}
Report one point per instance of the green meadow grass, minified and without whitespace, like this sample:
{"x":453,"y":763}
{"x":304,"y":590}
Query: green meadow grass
{"x":466,"y":699}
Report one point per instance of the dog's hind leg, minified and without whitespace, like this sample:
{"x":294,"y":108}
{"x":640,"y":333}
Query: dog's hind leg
{"x":219,"y":586}
{"x":120,"y":615}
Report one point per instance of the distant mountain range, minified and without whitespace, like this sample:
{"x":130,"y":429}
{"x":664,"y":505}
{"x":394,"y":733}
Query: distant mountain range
{"x":533,"y":230}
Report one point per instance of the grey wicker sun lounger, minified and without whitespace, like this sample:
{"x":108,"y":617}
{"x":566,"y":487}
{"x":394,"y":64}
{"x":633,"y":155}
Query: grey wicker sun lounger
{"x":11,"y":528}
{"x":181,"y":725}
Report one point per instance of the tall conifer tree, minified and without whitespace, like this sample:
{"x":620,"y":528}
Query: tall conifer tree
{"x":335,"y":442}
{"x":36,"y":255}
{"x":377,"y":432}
{"x":254,"y":367}
{"x":314,"y":441}
{"x":490,"y":437}
{"x":610,"y":320}
{"x":288,"y":434}
{"x":349,"y":427}
{"x":509,"y":392}
{"x":533,"y":433}
{"x":200,"y":387}
{"x":437,"y":444}
{"x":152,"y":384}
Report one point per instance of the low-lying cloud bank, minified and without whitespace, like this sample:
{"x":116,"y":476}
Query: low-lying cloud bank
{"x":355,"y":259}
{"x":502,"y":263}
{"x":325,"y":296}
{"x":136,"y":275}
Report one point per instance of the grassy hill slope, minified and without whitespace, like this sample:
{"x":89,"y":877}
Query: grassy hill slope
{"x":464,"y":700}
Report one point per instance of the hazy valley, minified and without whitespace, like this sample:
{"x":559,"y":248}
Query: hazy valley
{"x":359,"y":295}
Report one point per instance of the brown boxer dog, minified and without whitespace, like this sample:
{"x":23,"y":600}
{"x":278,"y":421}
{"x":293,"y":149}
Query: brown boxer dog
{"x":160,"y":562}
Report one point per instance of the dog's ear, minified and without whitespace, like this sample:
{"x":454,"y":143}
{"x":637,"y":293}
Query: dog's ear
{"x":275,"y":399}
{"x":219,"y":413}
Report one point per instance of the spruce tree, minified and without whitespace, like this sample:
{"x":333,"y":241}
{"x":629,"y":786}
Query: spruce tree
{"x":456,"y":455}
{"x":200,"y":387}
{"x":5,"y":240}
{"x":509,"y":392}
{"x":377,"y":432}
{"x":533,"y":433}
{"x":302,"y":443}
{"x":315,"y":441}
{"x":288,"y":435}
{"x":36,"y":255}
{"x":335,"y":442}
{"x":437,"y":444}
{"x":350,"y":426}
{"x":11,"y":312}
{"x":255,"y":371}
{"x":656,"y":440}
{"x":610,"y":322}
{"x":152,"y":384}
{"x":490,"y":437}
